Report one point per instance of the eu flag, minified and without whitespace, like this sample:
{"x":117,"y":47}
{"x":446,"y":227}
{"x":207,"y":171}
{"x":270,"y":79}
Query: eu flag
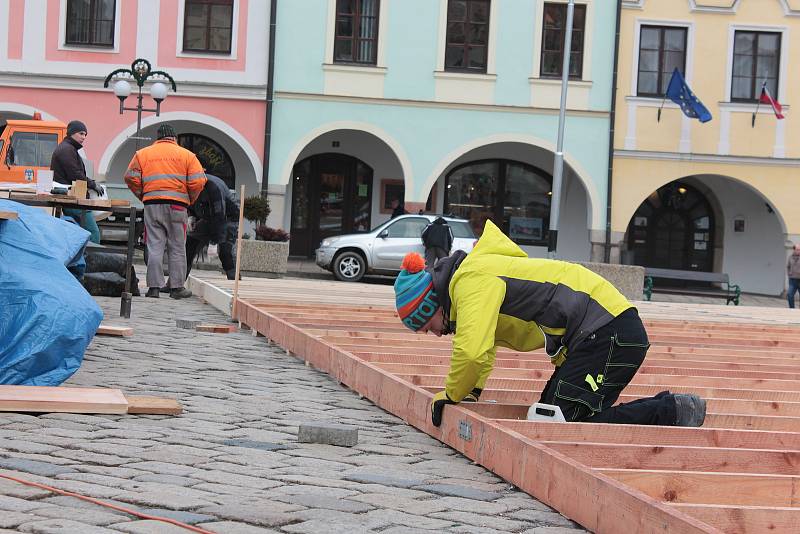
{"x":679,"y":92}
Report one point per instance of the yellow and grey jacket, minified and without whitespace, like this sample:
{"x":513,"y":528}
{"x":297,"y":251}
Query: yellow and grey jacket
{"x":497,"y":296}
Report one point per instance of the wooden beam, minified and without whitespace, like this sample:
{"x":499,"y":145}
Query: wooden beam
{"x":108,"y":330}
{"x":62,"y":399}
{"x":712,"y":488}
{"x":216,"y":328}
{"x":744,"y":519}
{"x":153,"y":405}
{"x":9,"y":215}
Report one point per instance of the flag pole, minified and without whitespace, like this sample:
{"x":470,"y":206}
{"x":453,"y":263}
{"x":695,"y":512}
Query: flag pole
{"x":658,"y":118}
{"x":758,"y":105}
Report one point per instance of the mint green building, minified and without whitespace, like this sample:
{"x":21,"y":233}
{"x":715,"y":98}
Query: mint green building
{"x":450,"y":106}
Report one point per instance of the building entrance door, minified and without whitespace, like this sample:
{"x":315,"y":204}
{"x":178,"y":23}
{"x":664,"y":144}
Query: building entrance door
{"x":331,"y":195}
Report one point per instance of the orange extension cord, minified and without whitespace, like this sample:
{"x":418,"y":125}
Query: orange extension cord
{"x":108,"y":505}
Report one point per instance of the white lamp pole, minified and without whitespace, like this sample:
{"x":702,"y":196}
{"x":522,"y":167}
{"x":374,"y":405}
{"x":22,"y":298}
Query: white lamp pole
{"x":558,"y":164}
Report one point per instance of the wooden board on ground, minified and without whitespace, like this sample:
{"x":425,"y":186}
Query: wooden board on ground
{"x":153,"y":405}
{"x":109,"y":330}
{"x":9,"y":215}
{"x":216,"y":328}
{"x":45,"y":399}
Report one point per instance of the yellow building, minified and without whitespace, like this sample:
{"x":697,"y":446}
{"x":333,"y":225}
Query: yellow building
{"x":720,"y":196}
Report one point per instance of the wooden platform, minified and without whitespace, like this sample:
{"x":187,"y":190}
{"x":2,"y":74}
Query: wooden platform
{"x":739,"y":473}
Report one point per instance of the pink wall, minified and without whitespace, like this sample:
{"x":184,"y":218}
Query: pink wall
{"x":168,"y":43}
{"x":127,"y":33}
{"x":16,"y":23}
{"x":100,"y":112}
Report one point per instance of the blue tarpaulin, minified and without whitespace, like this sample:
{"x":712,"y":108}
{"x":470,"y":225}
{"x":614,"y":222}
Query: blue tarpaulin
{"x":47,"y":319}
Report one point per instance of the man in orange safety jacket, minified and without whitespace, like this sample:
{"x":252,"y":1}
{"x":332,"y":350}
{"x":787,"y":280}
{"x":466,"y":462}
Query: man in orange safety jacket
{"x":168,"y":179}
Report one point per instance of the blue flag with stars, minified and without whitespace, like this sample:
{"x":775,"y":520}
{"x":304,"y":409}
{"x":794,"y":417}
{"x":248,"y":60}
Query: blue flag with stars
{"x":679,"y":92}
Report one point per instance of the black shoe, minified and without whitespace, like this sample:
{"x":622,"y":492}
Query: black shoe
{"x":152,"y":293}
{"x":164,"y":289}
{"x":180,"y":293}
{"x":232,"y":274}
{"x":690,"y":410}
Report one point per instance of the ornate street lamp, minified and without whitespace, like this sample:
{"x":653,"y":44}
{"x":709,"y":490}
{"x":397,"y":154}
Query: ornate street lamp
{"x":140,"y":72}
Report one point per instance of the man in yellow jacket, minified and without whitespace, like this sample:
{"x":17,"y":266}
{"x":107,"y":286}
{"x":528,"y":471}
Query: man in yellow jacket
{"x":168,"y":179}
{"x":497,"y":296}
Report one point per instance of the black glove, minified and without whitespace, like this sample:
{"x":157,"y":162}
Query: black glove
{"x":437,"y":406}
{"x":97,"y":188}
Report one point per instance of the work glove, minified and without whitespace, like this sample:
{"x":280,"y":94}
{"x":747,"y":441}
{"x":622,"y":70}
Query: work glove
{"x":97,"y":188}
{"x":437,"y":406}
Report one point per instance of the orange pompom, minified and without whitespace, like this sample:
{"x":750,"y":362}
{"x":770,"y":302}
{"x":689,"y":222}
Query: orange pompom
{"x":413,"y":263}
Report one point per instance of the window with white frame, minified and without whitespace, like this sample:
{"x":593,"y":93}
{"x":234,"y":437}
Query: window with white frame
{"x":208,"y":26}
{"x":756,"y":60}
{"x":356,"y":38}
{"x":662,"y":49}
{"x":90,"y":23}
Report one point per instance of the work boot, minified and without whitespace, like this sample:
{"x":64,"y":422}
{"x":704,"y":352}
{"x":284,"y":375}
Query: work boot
{"x":152,"y":293}
{"x":690,"y":410}
{"x":231,"y":274}
{"x":180,"y":293}
{"x":165,"y":289}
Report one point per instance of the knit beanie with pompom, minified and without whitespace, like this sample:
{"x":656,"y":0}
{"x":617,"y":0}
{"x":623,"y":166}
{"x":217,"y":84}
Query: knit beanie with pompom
{"x":414,"y":295}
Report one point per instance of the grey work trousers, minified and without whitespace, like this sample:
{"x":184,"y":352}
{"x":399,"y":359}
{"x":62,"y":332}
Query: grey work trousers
{"x":165,"y":227}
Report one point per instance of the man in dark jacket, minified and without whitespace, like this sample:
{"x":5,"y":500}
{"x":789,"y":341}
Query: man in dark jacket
{"x":67,"y":166}
{"x":438,"y":240}
{"x":217,"y":215}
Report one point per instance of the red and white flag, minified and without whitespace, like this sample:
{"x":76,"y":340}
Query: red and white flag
{"x":766,"y":98}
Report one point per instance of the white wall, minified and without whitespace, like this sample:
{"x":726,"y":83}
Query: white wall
{"x":755,"y":259}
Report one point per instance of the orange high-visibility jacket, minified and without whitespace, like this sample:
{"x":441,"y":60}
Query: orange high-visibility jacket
{"x":165,"y":171}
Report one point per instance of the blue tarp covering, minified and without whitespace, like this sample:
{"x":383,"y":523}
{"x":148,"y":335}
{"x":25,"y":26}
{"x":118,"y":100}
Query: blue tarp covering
{"x":47,"y":319}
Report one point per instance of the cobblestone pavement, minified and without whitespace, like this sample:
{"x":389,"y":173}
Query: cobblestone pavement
{"x":231,"y":463}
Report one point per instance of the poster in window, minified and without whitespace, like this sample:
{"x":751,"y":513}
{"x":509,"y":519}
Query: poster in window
{"x":700,"y":245}
{"x":525,"y":228}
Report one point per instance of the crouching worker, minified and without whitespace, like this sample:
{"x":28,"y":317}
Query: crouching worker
{"x":497,"y":296}
{"x":217,"y":215}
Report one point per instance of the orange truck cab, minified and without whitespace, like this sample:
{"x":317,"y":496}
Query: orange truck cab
{"x":25,"y":149}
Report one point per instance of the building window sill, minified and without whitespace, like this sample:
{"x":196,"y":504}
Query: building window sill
{"x":89,"y":48}
{"x":557,"y":81}
{"x":354,"y":68}
{"x":478,"y":76}
{"x":749,"y":107}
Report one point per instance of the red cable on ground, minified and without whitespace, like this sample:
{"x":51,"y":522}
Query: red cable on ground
{"x":108,"y":505}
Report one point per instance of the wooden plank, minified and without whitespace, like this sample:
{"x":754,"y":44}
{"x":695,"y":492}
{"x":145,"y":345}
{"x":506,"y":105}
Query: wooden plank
{"x":62,"y":399}
{"x":9,"y":215}
{"x":745,"y":519}
{"x":717,"y":459}
{"x":153,"y":405}
{"x":711,"y":488}
{"x":216,"y":328}
{"x":118,"y":331}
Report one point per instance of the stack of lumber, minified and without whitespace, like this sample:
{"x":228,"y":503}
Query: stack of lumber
{"x":740,"y":472}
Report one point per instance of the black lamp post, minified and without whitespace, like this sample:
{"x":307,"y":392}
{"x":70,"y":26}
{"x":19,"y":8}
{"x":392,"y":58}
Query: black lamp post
{"x":140,"y":72}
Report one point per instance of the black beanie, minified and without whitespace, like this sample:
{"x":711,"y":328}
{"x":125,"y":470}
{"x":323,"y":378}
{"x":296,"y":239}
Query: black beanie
{"x":165,"y":130}
{"x":74,"y":127}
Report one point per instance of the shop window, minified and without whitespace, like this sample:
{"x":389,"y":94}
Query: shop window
{"x":218,"y":161}
{"x":514,"y":195}
{"x":90,"y":22}
{"x":392,"y":190}
{"x":208,"y":26}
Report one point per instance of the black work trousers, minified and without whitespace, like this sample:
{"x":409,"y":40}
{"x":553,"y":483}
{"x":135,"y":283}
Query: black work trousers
{"x":589,"y":382}
{"x":220,"y":232}
{"x":434,"y":254}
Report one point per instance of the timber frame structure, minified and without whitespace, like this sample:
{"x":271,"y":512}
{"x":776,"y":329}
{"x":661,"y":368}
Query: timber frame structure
{"x":739,"y":473}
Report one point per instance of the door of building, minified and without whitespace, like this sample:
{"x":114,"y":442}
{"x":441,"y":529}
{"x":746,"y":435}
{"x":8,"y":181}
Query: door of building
{"x":673,"y":229}
{"x":331,"y":195}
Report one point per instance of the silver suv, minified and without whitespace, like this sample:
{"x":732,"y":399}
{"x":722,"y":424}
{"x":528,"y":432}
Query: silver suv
{"x":349,"y":257}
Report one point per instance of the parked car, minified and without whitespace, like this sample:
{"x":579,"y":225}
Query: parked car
{"x":349,"y":257}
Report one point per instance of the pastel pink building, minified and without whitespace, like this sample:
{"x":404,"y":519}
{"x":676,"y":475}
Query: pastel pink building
{"x":55,"y":55}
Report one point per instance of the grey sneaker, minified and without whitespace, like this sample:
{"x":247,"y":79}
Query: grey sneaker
{"x":180,"y":293}
{"x":690,"y":410}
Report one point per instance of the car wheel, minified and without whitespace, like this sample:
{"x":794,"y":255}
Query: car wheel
{"x":349,"y":267}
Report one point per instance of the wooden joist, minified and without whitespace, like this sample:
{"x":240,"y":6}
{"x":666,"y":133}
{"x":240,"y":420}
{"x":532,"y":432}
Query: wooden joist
{"x":45,"y":399}
{"x":117,"y":331}
{"x":216,"y":328}
{"x":8,"y":215}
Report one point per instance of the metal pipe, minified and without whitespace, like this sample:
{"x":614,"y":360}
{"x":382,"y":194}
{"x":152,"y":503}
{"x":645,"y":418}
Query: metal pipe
{"x":273,"y":23}
{"x":558,"y":164}
{"x":612,"y":116}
